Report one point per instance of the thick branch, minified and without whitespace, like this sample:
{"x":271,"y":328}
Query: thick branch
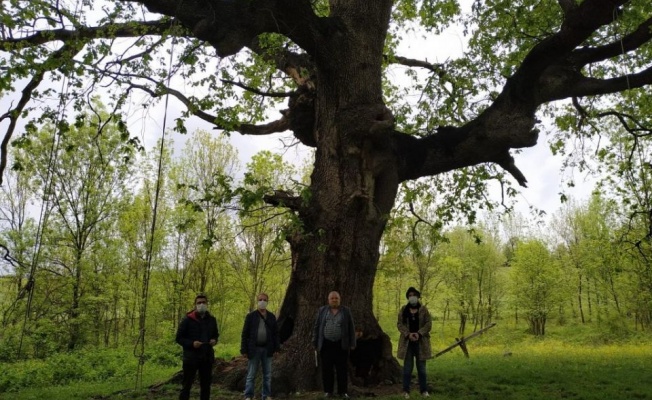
{"x":567,"y":83}
{"x":628,"y":43}
{"x":231,"y":25}
{"x":452,"y":148}
{"x":130,"y":29}
{"x":284,"y":199}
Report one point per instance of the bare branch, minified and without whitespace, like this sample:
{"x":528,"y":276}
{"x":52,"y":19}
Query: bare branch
{"x":257,"y":91}
{"x":284,"y":199}
{"x":409,"y":62}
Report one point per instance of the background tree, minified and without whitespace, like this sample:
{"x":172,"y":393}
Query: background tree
{"x":535,"y":284}
{"x":328,"y":60}
{"x":83,"y":193}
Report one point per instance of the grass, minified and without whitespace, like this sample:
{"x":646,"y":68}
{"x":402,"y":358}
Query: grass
{"x":89,"y":390}
{"x":570,"y":363}
{"x":541,"y":370}
{"x":545,"y":370}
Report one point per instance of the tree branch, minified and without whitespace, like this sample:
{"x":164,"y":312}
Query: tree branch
{"x":257,"y":91}
{"x":409,"y":62}
{"x":231,"y":25}
{"x":630,"y":42}
{"x":55,"y":61}
{"x":130,"y":29}
{"x":245,"y":129}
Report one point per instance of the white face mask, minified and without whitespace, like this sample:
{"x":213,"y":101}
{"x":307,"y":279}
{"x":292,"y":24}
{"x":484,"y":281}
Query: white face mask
{"x":202,"y":308}
{"x":262,"y":304}
{"x":413,"y":300}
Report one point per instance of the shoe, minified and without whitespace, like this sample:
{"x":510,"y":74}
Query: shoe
{"x":327,"y":395}
{"x":406,"y":395}
{"x":425,"y":394}
{"x":344,"y":396}
{"x":247,"y":398}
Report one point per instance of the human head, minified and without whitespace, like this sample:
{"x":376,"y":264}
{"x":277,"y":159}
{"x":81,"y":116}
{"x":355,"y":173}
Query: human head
{"x":201,"y":303}
{"x":413,"y":296}
{"x":412,"y":292}
{"x":334,"y":299}
{"x":262,"y":300}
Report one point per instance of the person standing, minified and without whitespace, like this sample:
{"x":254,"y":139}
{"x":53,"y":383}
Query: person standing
{"x":197,"y":334}
{"x":259,"y":342}
{"x":414,"y":324}
{"x":333,"y":337}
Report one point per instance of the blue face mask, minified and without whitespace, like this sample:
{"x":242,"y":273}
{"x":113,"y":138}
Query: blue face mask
{"x":202,"y":308}
{"x":262,"y":304}
{"x":413,"y":300}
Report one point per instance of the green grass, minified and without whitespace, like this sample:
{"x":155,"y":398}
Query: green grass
{"x":571,"y":362}
{"x":89,"y":390}
{"x":545,"y":369}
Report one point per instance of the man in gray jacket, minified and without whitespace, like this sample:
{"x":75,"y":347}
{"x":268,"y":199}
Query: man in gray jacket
{"x":333,"y":337}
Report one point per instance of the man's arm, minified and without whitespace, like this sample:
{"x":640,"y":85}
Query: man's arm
{"x":182,"y":335}
{"x":244,"y":337}
{"x":427,"y":326}
{"x":351,"y":333}
{"x":215,"y":334}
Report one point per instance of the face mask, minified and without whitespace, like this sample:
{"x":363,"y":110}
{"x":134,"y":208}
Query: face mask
{"x":202,"y":308}
{"x":262,"y":304}
{"x":413,"y":300}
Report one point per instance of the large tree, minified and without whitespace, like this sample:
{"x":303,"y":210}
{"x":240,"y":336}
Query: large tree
{"x":329,"y":60}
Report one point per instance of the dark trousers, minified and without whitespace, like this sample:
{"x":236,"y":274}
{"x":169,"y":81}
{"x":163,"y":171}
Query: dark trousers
{"x":334,"y":357}
{"x":190,"y":369}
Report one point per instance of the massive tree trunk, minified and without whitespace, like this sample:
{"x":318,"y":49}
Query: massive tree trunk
{"x":353,"y":188}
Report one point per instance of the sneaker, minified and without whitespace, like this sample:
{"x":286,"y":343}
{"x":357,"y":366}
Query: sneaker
{"x":425,"y":394}
{"x":406,"y":395}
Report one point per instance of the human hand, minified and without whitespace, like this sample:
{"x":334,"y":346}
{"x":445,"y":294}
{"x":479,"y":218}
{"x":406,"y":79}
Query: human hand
{"x":213,"y":342}
{"x":196,"y":344}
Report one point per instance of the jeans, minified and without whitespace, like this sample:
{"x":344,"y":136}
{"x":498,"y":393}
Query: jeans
{"x":259,"y":357}
{"x":408,"y":366}
{"x":190,"y":369}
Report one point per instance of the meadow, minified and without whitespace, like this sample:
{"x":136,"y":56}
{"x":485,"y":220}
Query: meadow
{"x":571,"y":362}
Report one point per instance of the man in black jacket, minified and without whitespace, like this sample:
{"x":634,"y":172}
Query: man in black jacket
{"x":197,"y":334}
{"x":259,"y":342}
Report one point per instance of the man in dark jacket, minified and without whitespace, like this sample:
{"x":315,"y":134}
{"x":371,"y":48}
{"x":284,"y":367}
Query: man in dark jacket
{"x":259,"y":342}
{"x":333,"y":337}
{"x":197,"y":334}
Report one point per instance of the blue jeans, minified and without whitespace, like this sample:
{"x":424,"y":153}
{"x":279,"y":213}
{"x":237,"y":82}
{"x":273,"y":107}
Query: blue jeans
{"x":259,"y":357}
{"x":408,"y":366}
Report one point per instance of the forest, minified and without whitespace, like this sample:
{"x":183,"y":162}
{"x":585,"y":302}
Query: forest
{"x":413,"y":119}
{"x":582,"y":268}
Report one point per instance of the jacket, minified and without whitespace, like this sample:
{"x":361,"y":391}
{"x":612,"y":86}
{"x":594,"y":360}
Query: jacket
{"x":348,"y":328}
{"x":250,"y":333}
{"x":194,"y":328}
{"x":425,"y":324}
